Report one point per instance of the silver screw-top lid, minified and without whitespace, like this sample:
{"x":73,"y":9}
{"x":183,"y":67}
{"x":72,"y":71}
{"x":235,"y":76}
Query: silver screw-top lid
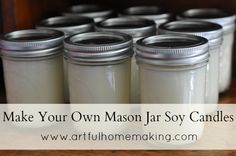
{"x":97,"y":12}
{"x":211,"y":31}
{"x":159,"y":15}
{"x":225,"y":19}
{"x":98,"y":47}
{"x":135,"y":27}
{"x":31,"y":43}
{"x":172,"y":50}
{"x":69,"y":25}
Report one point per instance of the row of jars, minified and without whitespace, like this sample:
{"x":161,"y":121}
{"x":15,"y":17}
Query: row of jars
{"x":180,"y":66}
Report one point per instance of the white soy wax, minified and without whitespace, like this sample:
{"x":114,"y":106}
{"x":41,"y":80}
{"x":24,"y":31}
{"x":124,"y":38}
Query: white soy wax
{"x":172,"y":68}
{"x":227,"y":21}
{"x":33,"y":66}
{"x":70,"y":26}
{"x":99,"y":84}
{"x":212,"y":32}
{"x":99,"y":67}
{"x":137,"y":28}
{"x":36,"y":81}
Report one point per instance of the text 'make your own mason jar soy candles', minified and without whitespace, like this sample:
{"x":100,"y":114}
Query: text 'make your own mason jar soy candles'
{"x":227,"y":21}
{"x":33,"y":66}
{"x":69,"y":25}
{"x":172,"y":68}
{"x":99,"y":67}
{"x":210,"y":31}
{"x":96,"y":12}
{"x":157,"y":14}
{"x":137,"y":28}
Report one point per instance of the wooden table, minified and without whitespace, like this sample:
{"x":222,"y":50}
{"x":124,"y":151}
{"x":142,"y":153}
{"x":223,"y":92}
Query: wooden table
{"x":227,"y":97}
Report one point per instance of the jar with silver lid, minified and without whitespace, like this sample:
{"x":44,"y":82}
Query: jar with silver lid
{"x":227,"y":21}
{"x":96,"y":12}
{"x":172,"y":68}
{"x":137,"y":28}
{"x":33,"y":66}
{"x":213,"y":33}
{"x":99,"y":67}
{"x":69,"y":25}
{"x":157,"y":14}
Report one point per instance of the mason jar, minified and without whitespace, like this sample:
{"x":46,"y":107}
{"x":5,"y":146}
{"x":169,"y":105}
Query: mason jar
{"x":137,"y":28}
{"x":227,"y":21}
{"x":213,"y":33}
{"x":99,"y":67}
{"x":157,"y":14}
{"x":172,"y":68}
{"x":33,"y":66}
{"x":68,"y":25}
{"x":96,"y":12}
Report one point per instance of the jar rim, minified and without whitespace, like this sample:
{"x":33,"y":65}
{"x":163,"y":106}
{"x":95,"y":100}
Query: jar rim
{"x":98,"y":46}
{"x":135,"y":27}
{"x":173,"y":49}
{"x":67,"y":24}
{"x":211,"y":31}
{"x":97,"y":12}
{"x":225,"y":19}
{"x":31,"y":42}
{"x":146,"y":11}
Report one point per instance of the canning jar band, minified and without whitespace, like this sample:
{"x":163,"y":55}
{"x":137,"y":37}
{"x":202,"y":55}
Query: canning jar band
{"x":135,"y":32}
{"x":120,"y":54}
{"x":71,"y":30}
{"x":91,"y":63}
{"x":173,"y":68}
{"x":174,"y":62}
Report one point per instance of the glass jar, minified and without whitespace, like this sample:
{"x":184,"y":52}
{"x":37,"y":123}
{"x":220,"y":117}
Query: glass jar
{"x":96,"y":12}
{"x":172,"y":68}
{"x":137,"y":28}
{"x":99,"y":67}
{"x":33,"y":66}
{"x":157,"y":14}
{"x":70,"y":26}
{"x":227,"y":21}
{"x":213,"y":33}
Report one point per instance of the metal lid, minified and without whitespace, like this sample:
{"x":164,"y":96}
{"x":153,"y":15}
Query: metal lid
{"x":97,"y":12}
{"x":135,"y":27}
{"x":225,"y":19}
{"x":31,"y":43}
{"x":98,"y":47}
{"x":210,"y":31}
{"x":69,"y":25}
{"x":172,"y":50}
{"x":159,"y":15}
